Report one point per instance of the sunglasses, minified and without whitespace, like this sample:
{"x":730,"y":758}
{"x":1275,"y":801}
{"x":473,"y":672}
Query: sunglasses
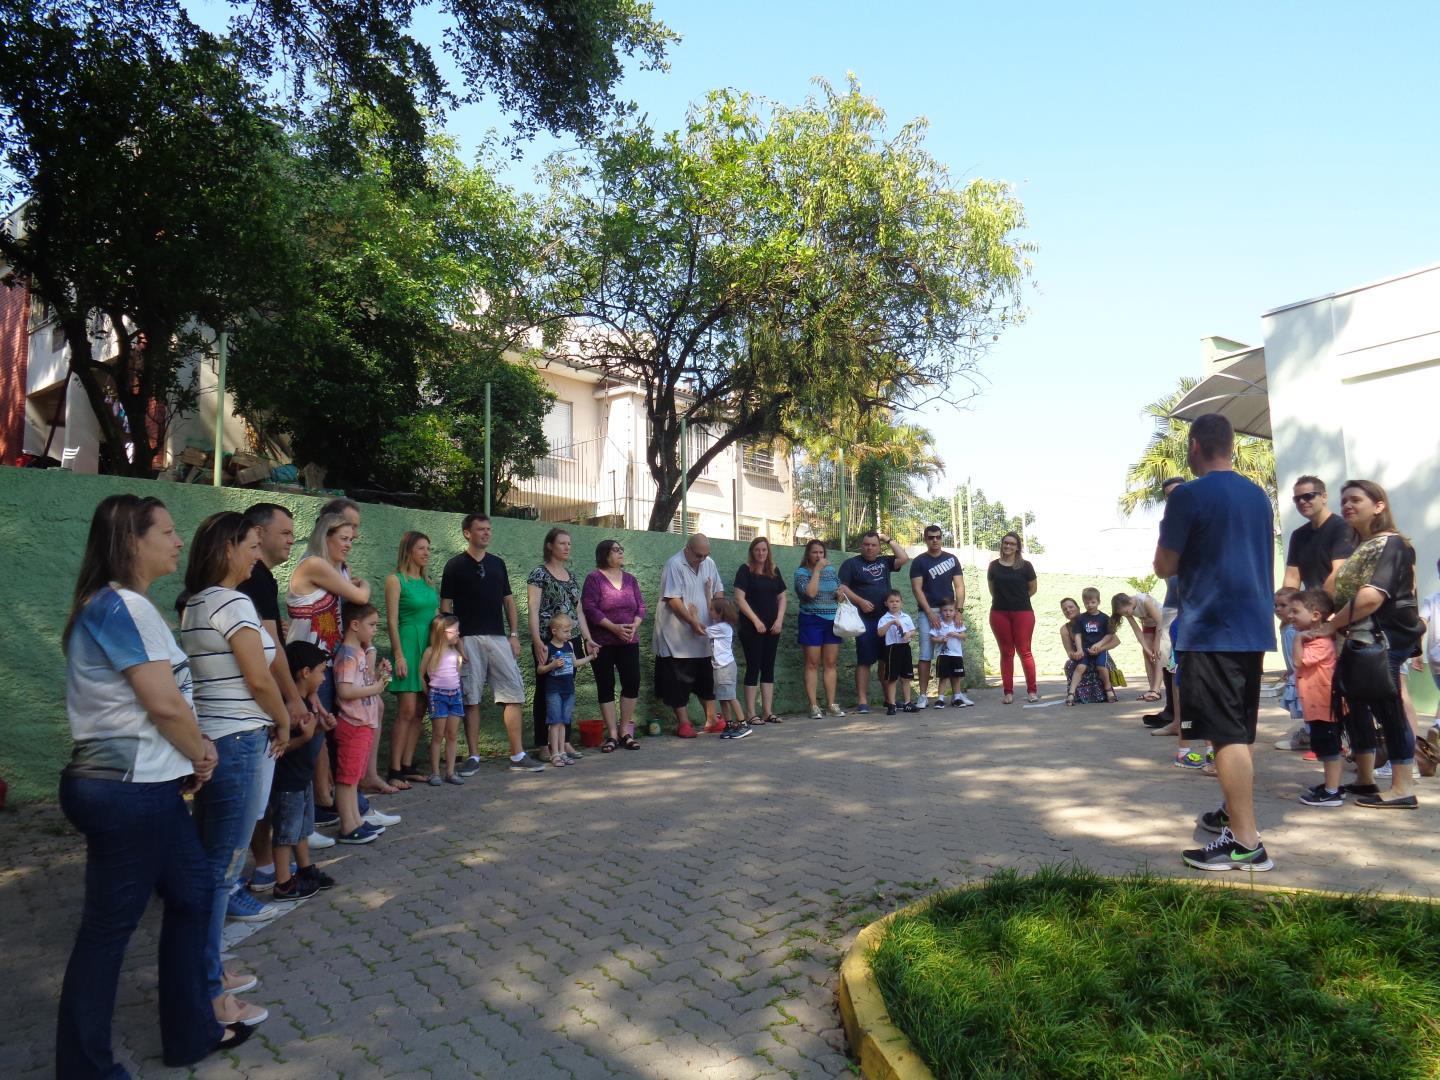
{"x":1309,"y":496}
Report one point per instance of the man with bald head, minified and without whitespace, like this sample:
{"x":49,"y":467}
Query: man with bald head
{"x":682,"y":651}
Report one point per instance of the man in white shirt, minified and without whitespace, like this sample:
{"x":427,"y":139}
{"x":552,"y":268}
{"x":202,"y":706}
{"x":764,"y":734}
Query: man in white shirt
{"x":682,"y":651}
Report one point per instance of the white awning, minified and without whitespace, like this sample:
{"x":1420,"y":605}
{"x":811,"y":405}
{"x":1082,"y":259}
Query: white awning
{"x":1237,"y":390}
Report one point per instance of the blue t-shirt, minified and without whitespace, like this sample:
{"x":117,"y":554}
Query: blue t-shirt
{"x":1224,"y":530}
{"x":939,"y":573}
{"x":562,"y":680}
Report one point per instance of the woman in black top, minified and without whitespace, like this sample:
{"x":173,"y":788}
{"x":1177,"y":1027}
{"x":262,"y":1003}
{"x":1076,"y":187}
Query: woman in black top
{"x":1375,"y":594}
{"x":1012,"y":620}
{"x":760,"y":594}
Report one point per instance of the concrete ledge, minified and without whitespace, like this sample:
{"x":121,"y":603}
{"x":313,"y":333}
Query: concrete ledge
{"x":883,"y":1049}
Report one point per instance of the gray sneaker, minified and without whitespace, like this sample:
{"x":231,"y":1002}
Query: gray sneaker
{"x":1299,"y":739}
{"x":835,"y":710}
{"x":526,"y":764}
{"x":470,"y":767}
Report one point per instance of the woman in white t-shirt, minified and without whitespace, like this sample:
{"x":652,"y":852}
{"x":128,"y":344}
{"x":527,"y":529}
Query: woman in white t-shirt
{"x":137,"y":751}
{"x":240,"y":707}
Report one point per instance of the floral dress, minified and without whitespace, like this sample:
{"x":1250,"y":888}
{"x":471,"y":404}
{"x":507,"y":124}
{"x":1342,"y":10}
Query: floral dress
{"x":556,"y":597}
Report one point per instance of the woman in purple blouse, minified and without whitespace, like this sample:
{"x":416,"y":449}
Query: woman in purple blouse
{"x":615,"y":609}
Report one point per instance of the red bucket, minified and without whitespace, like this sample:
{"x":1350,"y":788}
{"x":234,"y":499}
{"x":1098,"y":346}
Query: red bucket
{"x":592,"y":732}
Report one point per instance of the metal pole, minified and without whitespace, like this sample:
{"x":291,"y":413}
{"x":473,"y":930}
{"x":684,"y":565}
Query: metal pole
{"x":224,"y":347}
{"x":489,"y":476}
{"x":954,"y":517}
{"x":969,"y":521}
{"x":684,"y":478}
{"x":840,"y":474}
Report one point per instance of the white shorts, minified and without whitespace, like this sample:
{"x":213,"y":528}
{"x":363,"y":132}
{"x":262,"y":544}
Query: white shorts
{"x":488,"y":659}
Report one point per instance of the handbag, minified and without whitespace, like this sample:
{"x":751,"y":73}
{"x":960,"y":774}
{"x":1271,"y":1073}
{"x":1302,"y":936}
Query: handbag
{"x":1364,"y":666}
{"x":1117,"y":677}
{"x":848,"y":623}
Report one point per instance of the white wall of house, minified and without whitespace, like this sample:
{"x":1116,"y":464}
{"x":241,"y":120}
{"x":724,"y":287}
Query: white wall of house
{"x":1354,"y":387}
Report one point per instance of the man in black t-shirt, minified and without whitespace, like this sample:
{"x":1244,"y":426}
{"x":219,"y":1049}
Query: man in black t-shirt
{"x":1320,"y":546}
{"x":864,"y":581}
{"x":277,"y":537}
{"x":935,"y":577}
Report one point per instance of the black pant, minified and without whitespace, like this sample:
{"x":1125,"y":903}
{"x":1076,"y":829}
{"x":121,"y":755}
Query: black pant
{"x":760,"y":652}
{"x":1363,"y":717}
{"x":1168,"y":709}
{"x":622,"y":658}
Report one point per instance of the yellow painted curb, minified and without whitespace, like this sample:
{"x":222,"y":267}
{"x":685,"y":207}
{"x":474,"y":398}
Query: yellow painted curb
{"x":883,"y":1049}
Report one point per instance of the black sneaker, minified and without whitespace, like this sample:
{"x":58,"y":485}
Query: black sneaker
{"x":297,"y":888}
{"x":1154,"y":720}
{"x":326,"y":817}
{"x":890,"y":710}
{"x":1216,"y":821}
{"x":735,"y":731}
{"x":1319,"y":795}
{"x":470,"y":767}
{"x":321,"y":879}
{"x":909,"y":706}
{"x":939,"y":703}
{"x":1227,"y":853}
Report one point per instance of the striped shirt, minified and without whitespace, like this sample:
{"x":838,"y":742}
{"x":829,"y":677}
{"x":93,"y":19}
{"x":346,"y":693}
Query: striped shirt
{"x":222,"y":700}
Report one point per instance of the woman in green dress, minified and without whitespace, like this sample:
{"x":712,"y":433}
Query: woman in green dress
{"x":410,"y":603}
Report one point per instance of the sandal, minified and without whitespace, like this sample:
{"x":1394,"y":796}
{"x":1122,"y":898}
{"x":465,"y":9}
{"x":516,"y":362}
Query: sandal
{"x":397,"y":778}
{"x":413,"y":772}
{"x":773,"y":719}
{"x":1148,"y":695}
{"x":1112,"y":696}
{"x":1069,"y":699}
{"x":628,"y":742}
{"x":608,"y":746}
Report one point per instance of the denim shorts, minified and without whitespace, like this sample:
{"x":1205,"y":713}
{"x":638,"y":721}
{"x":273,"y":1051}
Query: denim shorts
{"x":446,"y":703}
{"x":292,"y":815}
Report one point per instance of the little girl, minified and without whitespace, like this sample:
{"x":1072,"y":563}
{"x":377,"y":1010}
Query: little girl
{"x":440,"y":668}
{"x":721,"y":632}
{"x":559,"y":667}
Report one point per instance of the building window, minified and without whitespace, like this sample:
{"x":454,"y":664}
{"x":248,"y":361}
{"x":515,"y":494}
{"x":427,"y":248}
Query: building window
{"x":745,"y":533}
{"x":758,"y":459}
{"x":691,"y":524}
{"x":559,"y":430}
{"x":697,"y":441}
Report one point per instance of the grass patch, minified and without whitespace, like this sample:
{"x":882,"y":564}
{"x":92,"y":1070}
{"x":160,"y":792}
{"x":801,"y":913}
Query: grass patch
{"x":1068,"y":974}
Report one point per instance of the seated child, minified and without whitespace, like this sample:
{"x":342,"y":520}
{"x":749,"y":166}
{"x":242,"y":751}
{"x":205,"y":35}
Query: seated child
{"x":721,"y":632}
{"x":1093,"y":639}
{"x":1314,"y":660}
{"x":949,"y":649}
{"x":292,"y":797}
{"x":559,"y":667}
{"x":896,"y":629}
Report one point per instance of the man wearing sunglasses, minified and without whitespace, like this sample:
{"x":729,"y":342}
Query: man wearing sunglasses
{"x":1319,"y":547}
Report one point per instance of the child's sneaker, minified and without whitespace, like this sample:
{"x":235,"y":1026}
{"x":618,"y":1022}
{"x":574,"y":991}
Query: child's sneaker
{"x":963,"y":701}
{"x":1189,"y":759}
{"x":890,"y":709}
{"x":318,"y":841}
{"x":735,"y":731}
{"x":326,"y":817}
{"x":1320,"y":796}
{"x":321,"y":879}
{"x":297,"y":888}
{"x":939,"y":703}
{"x":909,"y":707}
{"x":922,"y":701}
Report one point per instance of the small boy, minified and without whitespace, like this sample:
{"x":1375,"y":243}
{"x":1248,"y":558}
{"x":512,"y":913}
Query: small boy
{"x":359,"y":682}
{"x":721,"y":632}
{"x":559,"y":667}
{"x":896,"y":629}
{"x":1314,"y":662}
{"x":949,"y":647}
{"x":1299,"y":739}
{"x":1092,"y":636}
{"x":292,"y":798}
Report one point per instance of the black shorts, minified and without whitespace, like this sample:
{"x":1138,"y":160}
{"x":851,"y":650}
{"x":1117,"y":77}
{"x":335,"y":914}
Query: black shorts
{"x":952,"y":667}
{"x":1220,"y":696}
{"x":677,"y":677}
{"x":899,"y":663}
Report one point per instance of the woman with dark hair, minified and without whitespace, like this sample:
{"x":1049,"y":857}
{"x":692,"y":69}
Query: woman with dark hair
{"x":138,"y":749}
{"x":240,"y":709}
{"x":552,"y":589}
{"x":614,"y":609}
{"x":1090,"y":691}
{"x":1375,"y":604}
{"x":1012,"y":618}
{"x":760,"y":596}
{"x":816,"y":583}
{"x":411,"y":603}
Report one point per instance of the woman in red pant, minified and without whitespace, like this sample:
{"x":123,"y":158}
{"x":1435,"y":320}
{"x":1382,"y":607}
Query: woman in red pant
{"x":1012,"y":619}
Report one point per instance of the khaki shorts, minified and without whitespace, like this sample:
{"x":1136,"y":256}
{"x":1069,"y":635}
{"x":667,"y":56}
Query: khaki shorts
{"x":488,"y":659}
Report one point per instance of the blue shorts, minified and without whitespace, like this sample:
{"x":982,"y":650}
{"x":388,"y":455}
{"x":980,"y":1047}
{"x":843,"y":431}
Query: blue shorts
{"x":292,"y":816}
{"x":445,"y":703}
{"x":559,"y":708}
{"x":817,"y":630}
{"x":867,"y":645}
{"x":1095,"y":663}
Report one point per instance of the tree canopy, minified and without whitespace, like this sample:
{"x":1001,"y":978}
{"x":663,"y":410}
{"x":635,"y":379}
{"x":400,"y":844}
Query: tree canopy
{"x":767,"y":262}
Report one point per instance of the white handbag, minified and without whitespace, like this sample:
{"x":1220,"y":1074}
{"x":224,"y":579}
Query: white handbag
{"x":848,"y":623}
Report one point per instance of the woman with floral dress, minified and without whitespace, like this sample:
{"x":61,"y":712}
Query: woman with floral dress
{"x":552,"y":589}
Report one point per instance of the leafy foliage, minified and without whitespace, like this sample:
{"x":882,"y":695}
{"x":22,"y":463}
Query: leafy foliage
{"x":990,"y":521}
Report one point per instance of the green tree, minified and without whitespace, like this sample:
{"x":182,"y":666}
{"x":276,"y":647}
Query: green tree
{"x":154,"y":188}
{"x":989,"y":521}
{"x":1166,"y":454}
{"x":767,"y":262}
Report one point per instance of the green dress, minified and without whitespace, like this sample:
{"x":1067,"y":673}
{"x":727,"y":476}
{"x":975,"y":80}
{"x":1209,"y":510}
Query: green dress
{"x":419,"y":604}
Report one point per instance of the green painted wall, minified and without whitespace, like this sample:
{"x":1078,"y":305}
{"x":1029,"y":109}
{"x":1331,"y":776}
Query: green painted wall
{"x":44,"y":518}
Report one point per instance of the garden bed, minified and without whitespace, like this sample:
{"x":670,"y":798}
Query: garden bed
{"x":1069,"y":974}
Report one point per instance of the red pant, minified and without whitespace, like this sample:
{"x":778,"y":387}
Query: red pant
{"x":1013,"y":630}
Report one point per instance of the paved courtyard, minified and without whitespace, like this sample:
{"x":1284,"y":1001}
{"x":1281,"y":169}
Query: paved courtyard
{"x":676,"y":912}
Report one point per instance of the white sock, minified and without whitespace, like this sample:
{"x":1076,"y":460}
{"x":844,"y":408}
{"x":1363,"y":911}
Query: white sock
{"x":517,"y":757}
{"x":268,"y":868}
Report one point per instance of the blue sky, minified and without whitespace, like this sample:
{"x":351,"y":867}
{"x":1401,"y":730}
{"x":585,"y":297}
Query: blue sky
{"x":1183,"y":168}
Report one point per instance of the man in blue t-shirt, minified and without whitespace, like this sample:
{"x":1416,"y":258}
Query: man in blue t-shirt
{"x":1218,"y":536}
{"x":935,"y":577}
{"x":864,"y":581}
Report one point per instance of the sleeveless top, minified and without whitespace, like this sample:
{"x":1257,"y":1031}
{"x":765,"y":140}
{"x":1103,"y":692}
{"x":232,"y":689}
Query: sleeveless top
{"x":446,"y":675}
{"x":419,"y":604}
{"x":315,"y":617}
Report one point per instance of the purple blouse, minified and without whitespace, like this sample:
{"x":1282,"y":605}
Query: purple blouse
{"x":601,"y":600}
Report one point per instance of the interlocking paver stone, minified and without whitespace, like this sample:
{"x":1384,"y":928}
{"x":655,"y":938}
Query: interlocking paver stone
{"x":681,"y":911}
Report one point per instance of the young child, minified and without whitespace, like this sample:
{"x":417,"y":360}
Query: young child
{"x":721,"y":632}
{"x":949,"y":648}
{"x":1314,"y":662}
{"x":896,"y":630}
{"x":560,"y":664}
{"x":292,"y":797}
{"x":1284,"y":611}
{"x":359,"y":682}
{"x":440,"y":668}
{"x":1091,"y":630}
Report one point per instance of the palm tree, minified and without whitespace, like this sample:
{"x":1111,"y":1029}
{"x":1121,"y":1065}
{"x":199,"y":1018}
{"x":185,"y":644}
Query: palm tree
{"x":1166,"y":455}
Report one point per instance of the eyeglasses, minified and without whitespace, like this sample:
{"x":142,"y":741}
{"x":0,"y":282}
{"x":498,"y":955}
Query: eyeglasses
{"x":1309,"y":496}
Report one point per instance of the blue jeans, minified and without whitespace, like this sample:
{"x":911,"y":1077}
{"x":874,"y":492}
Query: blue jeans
{"x":139,"y":840}
{"x":225,"y":811}
{"x":559,"y":708}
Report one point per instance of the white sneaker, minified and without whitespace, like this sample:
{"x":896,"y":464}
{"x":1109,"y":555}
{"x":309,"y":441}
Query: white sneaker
{"x":380,"y":818}
{"x":963,"y":699}
{"x":319,"y":841}
{"x":1385,"y":771}
{"x":922,"y":701}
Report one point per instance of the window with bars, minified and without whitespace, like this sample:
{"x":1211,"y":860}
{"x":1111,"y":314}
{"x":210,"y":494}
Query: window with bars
{"x":746,"y":533}
{"x":691,"y":524}
{"x":697,"y":441}
{"x":755,"y":458}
